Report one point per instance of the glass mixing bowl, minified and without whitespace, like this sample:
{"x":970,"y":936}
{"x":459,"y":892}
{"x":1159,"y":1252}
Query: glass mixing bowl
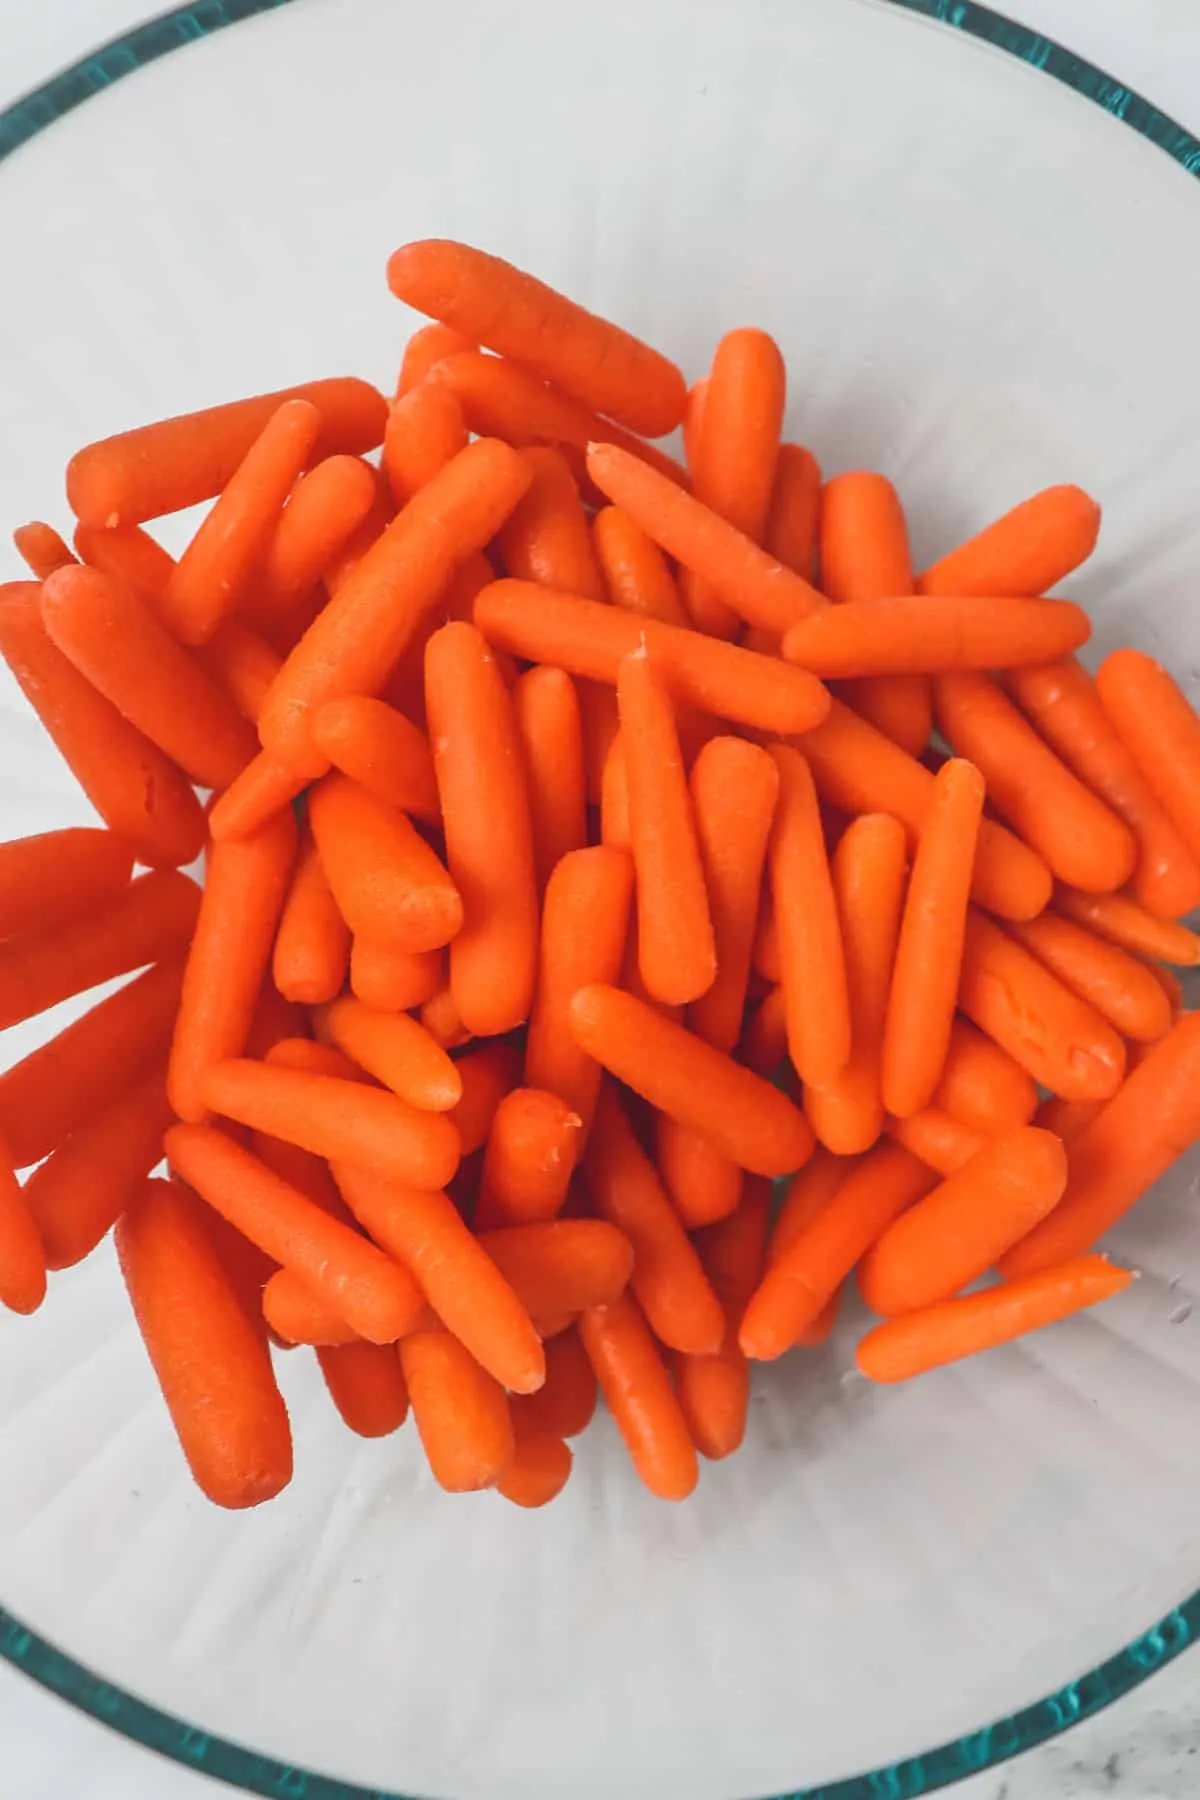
{"x":983,"y":284}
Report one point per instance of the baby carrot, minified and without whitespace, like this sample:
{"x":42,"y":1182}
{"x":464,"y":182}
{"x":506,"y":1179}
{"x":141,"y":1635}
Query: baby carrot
{"x":127,"y":555}
{"x":460,"y":1411}
{"x":564,"y":1405}
{"x":546,"y":537}
{"x":41,"y":549}
{"x":346,"y":558}
{"x":484,"y":795}
{"x":1120,"y":919}
{"x":487,"y":1074}
{"x":424,"y":350}
{"x":812,"y":960}
{"x":1170,"y":984}
{"x":242,"y":664}
{"x":309,"y":1058}
{"x":804,"y":1277}
{"x":794,"y":512}
{"x":539,"y":1471}
{"x":734,"y":788}
{"x":550,"y":727}
{"x":760,"y":589}
{"x":937,"y":1138}
{"x":312,"y":947}
{"x":746,"y":1118}
{"x":1133,"y":1140}
{"x":637,"y":574}
{"x":442,"y":1020}
{"x":244,"y":891}
{"x":425,"y":429}
{"x":366,"y":1384}
{"x":1161,"y":730}
{"x":808,"y":1193}
{"x":958,"y":1231}
{"x":902,"y":1348}
{"x":1082,"y":840}
{"x":213,"y":1367}
{"x":982,"y":1085}
{"x":532,"y":1148}
{"x":763,"y":1044}
{"x":614,"y":798}
{"x":175,"y":463}
{"x":298,"y":1316}
{"x":1066,"y":1118}
{"x":925,"y":979}
{"x":376,"y":746}
{"x":1122,"y":989}
{"x":635,"y":1383}
{"x":858,"y":769}
{"x":1027,"y":551}
{"x":868,"y":871}
{"x":714,"y":1391}
{"x":916,"y":635}
{"x":397,"y":1051}
{"x":562,"y":1265}
{"x":502,"y":308}
{"x":23,"y":1259}
{"x":261,"y":793}
{"x":693,"y":419}
{"x":387,"y":882}
{"x":137,"y":791}
{"x":57,"y":876}
{"x":703,"y":1185}
{"x":1054,"y":1035}
{"x":591,"y":641}
{"x":391,"y":980}
{"x":325,"y":508}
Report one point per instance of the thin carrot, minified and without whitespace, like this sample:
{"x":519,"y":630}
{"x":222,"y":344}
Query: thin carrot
{"x":704,"y":1186}
{"x":1120,"y":919}
{"x":918,"y":635}
{"x":808,"y":1193}
{"x":982,"y":1085}
{"x":397,"y":1051}
{"x":937,"y":1138}
{"x":1056,"y":1037}
{"x":501,"y":307}
{"x":868,"y":872}
{"x":41,"y":549}
{"x":714,"y":1391}
{"x":532,"y":1148}
{"x":812,"y":961}
{"x":1081,"y":839}
{"x":539,"y":1471}
{"x":1144,"y":1128}
{"x":127,"y":555}
{"x":425,"y":429}
{"x":1025,"y":552}
{"x":388,"y":884}
{"x":958,"y":1231}
{"x":366,"y":1384}
{"x":1159,"y":726}
{"x":487,"y":1074}
{"x":460,"y":1411}
{"x":297,"y":1315}
{"x":635,"y":570}
{"x":264,"y":790}
{"x":929,"y":954}
{"x":858,"y":769}
{"x":484,"y":794}
{"x":312,"y":946}
{"x":551,"y":731}
{"x":326,"y":507}
{"x":562,"y":1265}
{"x":244,"y":892}
{"x":23,"y":1259}
{"x":804,"y":1277}
{"x":564,"y":1405}
{"x":746,"y":1118}
{"x":763,"y":1044}
{"x":137,"y":791}
{"x":424,"y":350}
{"x":58,"y":876}
{"x":376,"y":746}
{"x":635,"y":1383}
{"x":392,"y":980}
{"x":546,"y":536}
{"x":734,"y":790}
{"x":1120,"y":987}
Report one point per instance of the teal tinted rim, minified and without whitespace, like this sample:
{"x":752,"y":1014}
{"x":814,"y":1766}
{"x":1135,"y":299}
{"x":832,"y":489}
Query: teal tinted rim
{"x":917,"y":1775}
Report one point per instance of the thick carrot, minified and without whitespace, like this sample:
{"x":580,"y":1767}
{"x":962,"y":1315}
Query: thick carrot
{"x":460,"y":1411}
{"x":388,"y":884}
{"x":546,"y":536}
{"x":937,"y":1138}
{"x":484,"y":794}
{"x":803,"y":1278}
{"x":443,"y":1021}
{"x":868,"y":871}
{"x":704,"y":1185}
{"x":1133,"y":1140}
{"x":959,"y":1230}
{"x":499,"y":306}
{"x":637,"y":574}
{"x":1120,"y":987}
{"x":309,"y":1058}
{"x":58,"y":876}
{"x":424,"y":350}
{"x":929,"y":954}
{"x":714,"y":1391}
{"x":812,"y":961}
{"x":532,"y":1148}
{"x":366,"y":1384}
{"x":325,"y":508}
{"x":1056,"y":1037}
{"x":635,"y":1383}
{"x":1157,"y":723}
{"x":264,"y":790}
{"x":734,"y":789}
{"x":23,"y":1260}
{"x":242,"y":664}
{"x":312,"y":946}
{"x":539,"y":1471}
{"x":64,"y":1084}
{"x":397,"y":1051}
{"x":392,"y":980}
{"x":760,"y":589}
{"x":763,"y":1044}
{"x":245,"y":887}
{"x":1027,"y":551}
{"x":808,"y":1193}
{"x":425,"y":430}
{"x":376,"y":746}
{"x":590,"y":641}
{"x":562,"y":1265}
{"x":916,"y":635}
{"x":858,"y":769}
{"x":550,"y":727}
{"x":564,"y":1405}
{"x":746,"y":1118}
{"x":794,"y":512}
{"x":982,"y":1085}
{"x":1066,"y":1118}
{"x":137,"y":791}
{"x":41,"y":549}
{"x":298,"y":1316}
{"x":902,"y":1348}
{"x":1120,"y":919}
{"x":487,"y":1074}
{"x":1170,"y":984}
{"x":127,"y":555}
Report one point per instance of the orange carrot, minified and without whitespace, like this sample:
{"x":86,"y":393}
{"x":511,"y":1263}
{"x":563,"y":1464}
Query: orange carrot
{"x":532,"y":1149}
{"x":261,"y":793}
{"x":1170,"y":984}
{"x":312,"y":948}
{"x":546,"y":537}
{"x":58,"y":876}
{"x":391,"y":980}
{"x":425,"y":430}
{"x":614,"y":799}
{"x":424,"y":350}
{"x":487,"y":1074}
{"x":982,"y":1085}
{"x":763,"y":1044}
{"x":1066,"y":1118}
{"x":1161,"y":730}
{"x":551,"y":732}
{"x":734,"y":788}
{"x":916,"y":635}
{"x":693,"y":419}
{"x":959,"y":1230}
{"x":499,"y":306}
{"x":242,"y":664}
{"x":937,"y":1138}
{"x":803,"y":1278}
{"x":812,"y":961}
{"x":41,"y":549}
{"x":460,"y":1411}
{"x":704,"y":1186}
{"x":746,"y":1118}
{"x":397,"y":1051}
{"x":127,"y":555}
{"x":1120,"y":919}
{"x":1027,"y":551}
{"x":539,"y":1471}
{"x":868,"y":871}
{"x":22,"y":1253}
{"x":298,"y":1316}
{"x":640,"y":1397}
{"x":484,"y":795}
{"x":1083,"y":841}
{"x":562,"y":1265}
{"x":376,"y":746}
{"x":313,"y":1059}
{"x":929,"y":954}
{"x":808,"y":1194}
{"x":1122,"y":989}
{"x":563,"y":1406}
{"x":245,"y":887}
{"x":791,"y":530}
{"x":902,"y":1348}
{"x":366,"y":1384}
{"x":857,"y":769}
{"x":326,"y":507}
{"x":635,"y":570}
{"x":1133,"y":1140}
{"x":387,"y":882}
{"x":137,"y":792}
{"x":443,"y":1021}
{"x":714,"y":1391}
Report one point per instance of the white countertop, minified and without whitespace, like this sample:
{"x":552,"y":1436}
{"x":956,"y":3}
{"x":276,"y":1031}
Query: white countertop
{"x":1147,"y":1746}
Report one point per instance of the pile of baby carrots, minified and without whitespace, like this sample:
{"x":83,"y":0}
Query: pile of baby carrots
{"x":591,"y":841}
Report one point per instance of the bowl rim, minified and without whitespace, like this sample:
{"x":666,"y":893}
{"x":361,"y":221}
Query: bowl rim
{"x":917,"y":1775}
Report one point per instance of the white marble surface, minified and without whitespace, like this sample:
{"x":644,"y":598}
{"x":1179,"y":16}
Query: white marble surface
{"x":1147,"y":1747}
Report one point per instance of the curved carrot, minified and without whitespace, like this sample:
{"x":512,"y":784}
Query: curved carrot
{"x":734,"y":789}
{"x":958,"y":1231}
{"x":812,"y":961}
{"x":704,"y":1186}
{"x":792,"y":518}
{"x":1120,"y":919}
{"x":564,"y":1405}
{"x":1161,"y":730}
{"x":41,"y":549}
{"x":391,"y":980}
{"x":425,"y":429}
{"x":1083,"y":842}
{"x":532,"y":1148}
{"x":546,"y":537}
{"x":427,"y":347}
{"x":312,"y":946}
{"x":640,"y":1397}
{"x":550,"y":727}
{"x":714,"y":1391}
{"x":562,"y":1265}
{"x":501,"y":307}
{"x":982,"y":1085}
{"x":324,"y":510}
{"x":460,"y":1411}
{"x":58,"y":876}
{"x":868,"y":871}
{"x":366,"y":1384}
{"x":746,"y":1118}
{"x":636,"y":573}
{"x":397,"y":1051}
{"x":376,"y":746}
{"x":127,"y":555}
{"x":937,"y":1138}
{"x":137,"y":791}
{"x":298,"y":1316}
{"x":1027,"y":551}
{"x":489,"y":835}
{"x":1122,"y":989}
{"x":487,"y":1074}
{"x":925,"y":979}
{"x":916,"y":635}
{"x":23,"y":1259}
{"x":387,"y":882}
{"x":539,"y":1471}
